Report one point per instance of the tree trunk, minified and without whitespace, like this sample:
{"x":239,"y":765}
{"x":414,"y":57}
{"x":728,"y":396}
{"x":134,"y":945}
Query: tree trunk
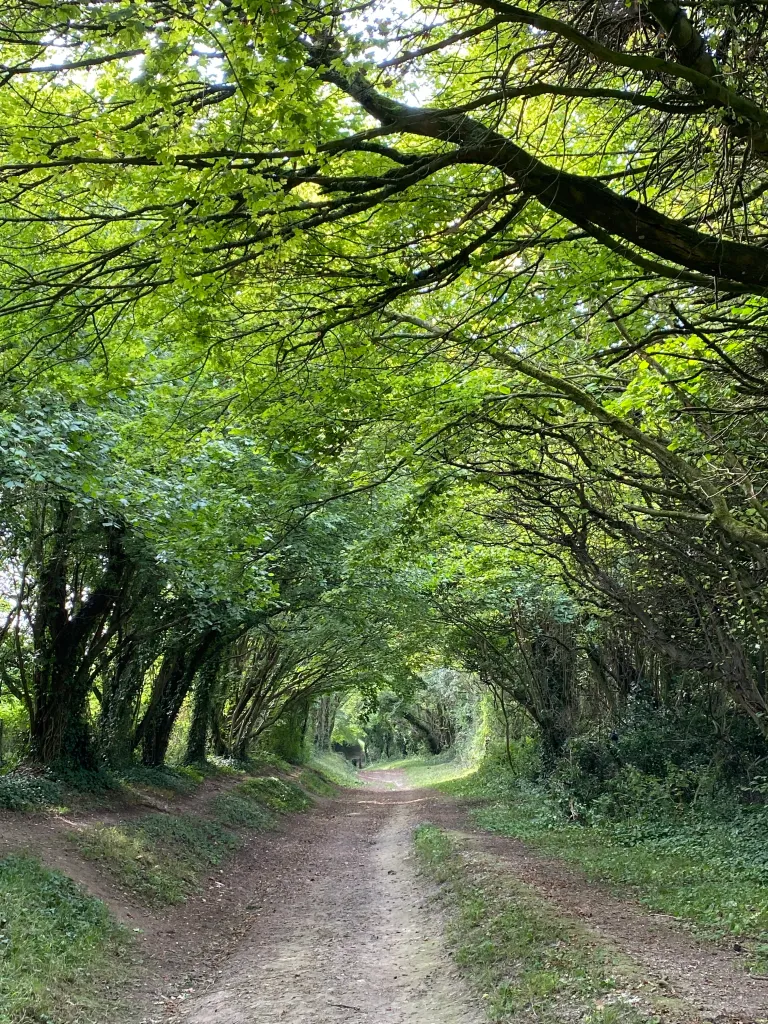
{"x":171,"y":686}
{"x":119,"y":706}
{"x":205,"y":693}
{"x":59,"y":729}
{"x":433,"y":741}
{"x":325,"y":719}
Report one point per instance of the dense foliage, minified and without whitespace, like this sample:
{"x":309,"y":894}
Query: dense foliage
{"x":339,"y":343}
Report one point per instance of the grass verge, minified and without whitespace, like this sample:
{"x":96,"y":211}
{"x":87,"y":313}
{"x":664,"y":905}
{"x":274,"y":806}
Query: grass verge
{"x":162,"y":858}
{"x":528,"y":964}
{"x":238,"y":810}
{"x":314,"y":781}
{"x":29,"y":789}
{"x":709,"y":873}
{"x":59,"y":949}
{"x":429,"y":771}
{"x":336,"y":769}
{"x":279,"y":795}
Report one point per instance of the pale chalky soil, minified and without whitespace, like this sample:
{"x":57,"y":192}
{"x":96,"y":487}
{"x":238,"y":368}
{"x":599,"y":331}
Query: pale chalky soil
{"x":358,"y":943}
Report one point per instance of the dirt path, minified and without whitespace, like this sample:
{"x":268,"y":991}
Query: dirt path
{"x":356,"y":943}
{"x":356,"y":937}
{"x":326,"y":920}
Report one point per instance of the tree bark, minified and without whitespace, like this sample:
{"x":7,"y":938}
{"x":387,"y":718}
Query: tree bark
{"x":59,"y":729}
{"x":172,"y":684}
{"x":205,"y":693}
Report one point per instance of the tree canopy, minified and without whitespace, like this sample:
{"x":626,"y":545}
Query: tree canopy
{"x":343,"y":342}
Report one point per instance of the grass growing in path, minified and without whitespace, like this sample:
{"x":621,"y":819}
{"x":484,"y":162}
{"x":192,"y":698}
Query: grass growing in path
{"x":433,"y":771}
{"x":713,"y":874}
{"x":528,"y":964}
{"x":426,"y":770}
{"x":58,"y":946}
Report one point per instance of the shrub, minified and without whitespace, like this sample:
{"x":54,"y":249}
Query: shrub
{"x":660,"y":760}
{"x":633,"y":794}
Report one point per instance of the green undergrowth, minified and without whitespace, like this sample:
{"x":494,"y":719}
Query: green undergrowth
{"x":162,"y":858}
{"x":708,"y":870}
{"x":25,"y":792}
{"x":238,"y":810}
{"x":62,"y":956}
{"x":314,"y":781}
{"x":427,"y":771}
{"x":278,"y":794}
{"x":262,"y":760}
{"x":528,"y":964}
{"x":336,"y":769}
{"x":176,"y":781}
